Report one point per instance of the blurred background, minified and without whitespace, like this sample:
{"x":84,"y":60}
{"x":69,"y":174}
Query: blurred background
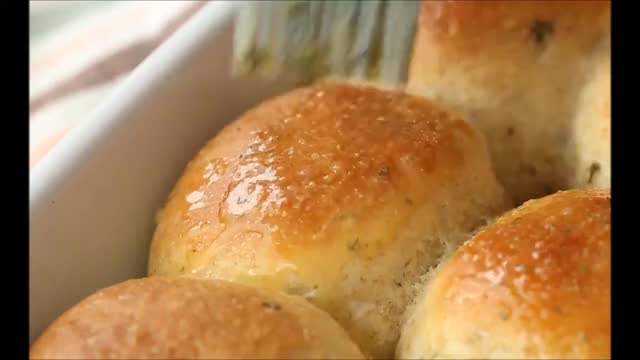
{"x":80,"y":50}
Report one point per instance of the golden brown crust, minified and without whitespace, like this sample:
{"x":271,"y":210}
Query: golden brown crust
{"x":297,"y":158}
{"x":535,"y":284}
{"x":192,"y":319}
{"x":515,"y":68}
{"x":331,"y":192}
{"x":469,"y":24}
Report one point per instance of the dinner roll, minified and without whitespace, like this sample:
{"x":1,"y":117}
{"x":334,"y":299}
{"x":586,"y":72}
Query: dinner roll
{"x":592,"y":128}
{"x":193,"y":319}
{"x":514,"y":68}
{"x":340,"y":193}
{"x":536,"y":284}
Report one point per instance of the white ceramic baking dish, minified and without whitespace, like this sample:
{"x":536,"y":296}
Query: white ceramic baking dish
{"x":93,"y":199}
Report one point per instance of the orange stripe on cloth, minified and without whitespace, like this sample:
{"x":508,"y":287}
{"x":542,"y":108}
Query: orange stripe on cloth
{"x":87,"y":38}
{"x":115,"y":64}
{"x":39,"y":151}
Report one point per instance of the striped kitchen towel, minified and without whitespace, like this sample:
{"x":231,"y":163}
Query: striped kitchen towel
{"x":75,"y":65}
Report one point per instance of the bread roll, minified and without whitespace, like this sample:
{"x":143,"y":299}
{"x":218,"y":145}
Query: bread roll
{"x":193,"y":319}
{"x":536,"y":284}
{"x":343,"y":194}
{"x":515,"y":68}
{"x":591,"y":148}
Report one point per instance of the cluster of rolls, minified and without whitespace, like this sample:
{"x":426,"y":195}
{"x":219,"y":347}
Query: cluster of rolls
{"x":349,"y":221}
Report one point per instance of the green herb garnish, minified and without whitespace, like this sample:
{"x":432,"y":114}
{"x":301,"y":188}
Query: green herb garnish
{"x":593,"y":169}
{"x":583,"y":268}
{"x":541,"y":29}
{"x":355,"y":245}
{"x":271,"y":305}
{"x":504,"y":315}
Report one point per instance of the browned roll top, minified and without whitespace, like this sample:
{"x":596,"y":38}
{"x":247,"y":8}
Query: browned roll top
{"x":535,"y":284}
{"x":157,"y":318}
{"x":340,"y":193}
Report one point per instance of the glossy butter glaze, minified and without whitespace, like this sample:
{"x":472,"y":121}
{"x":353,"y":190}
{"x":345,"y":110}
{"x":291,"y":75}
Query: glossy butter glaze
{"x":535,"y":284}
{"x":330,"y":192}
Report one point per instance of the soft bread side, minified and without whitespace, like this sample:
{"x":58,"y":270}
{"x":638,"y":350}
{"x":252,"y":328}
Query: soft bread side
{"x":590,"y":152}
{"x":516,"y":69}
